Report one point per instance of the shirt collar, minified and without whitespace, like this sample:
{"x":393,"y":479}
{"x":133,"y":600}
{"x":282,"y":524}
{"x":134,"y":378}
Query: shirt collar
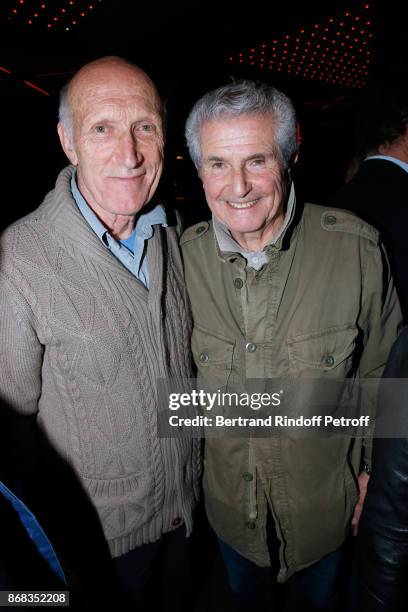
{"x":394,"y":160}
{"x":227,"y":244}
{"x":144,"y":223}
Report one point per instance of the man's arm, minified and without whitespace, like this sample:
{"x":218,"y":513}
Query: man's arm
{"x":381,"y":313}
{"x":382,"y":321}
{"x":383,"y":547}
{"x":21,"y":355}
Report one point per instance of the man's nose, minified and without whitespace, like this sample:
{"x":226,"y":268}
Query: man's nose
{"x":241,"y":185}
{"x":128,"y":151}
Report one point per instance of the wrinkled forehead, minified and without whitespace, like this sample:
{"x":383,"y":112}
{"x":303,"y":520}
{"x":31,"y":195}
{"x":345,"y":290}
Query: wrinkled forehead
{"x":125,"y":85}
{"x":244,"y":129}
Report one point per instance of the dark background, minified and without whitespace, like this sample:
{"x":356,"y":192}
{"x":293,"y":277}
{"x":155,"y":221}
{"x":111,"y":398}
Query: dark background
{"x":184,"y":45}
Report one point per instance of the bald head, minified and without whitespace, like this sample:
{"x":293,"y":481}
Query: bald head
{"x":111,"y":129}
{"x":109,"y":72}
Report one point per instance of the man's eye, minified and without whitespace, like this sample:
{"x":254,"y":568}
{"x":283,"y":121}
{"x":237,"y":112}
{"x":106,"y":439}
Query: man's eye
{"x":217,"y":165}
{"x":100,"y":129}
{"x":147,"y":127}
{"x":257,"y":163}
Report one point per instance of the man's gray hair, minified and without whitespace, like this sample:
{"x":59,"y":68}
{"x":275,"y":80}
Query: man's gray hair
{"x":64,"y":111}
{"x":244,"y":97}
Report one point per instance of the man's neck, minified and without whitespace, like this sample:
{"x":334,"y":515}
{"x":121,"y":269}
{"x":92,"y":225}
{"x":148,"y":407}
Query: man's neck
{"x":397,"y":149}
{"x":120,"y":227}
{"x":256,"y":241}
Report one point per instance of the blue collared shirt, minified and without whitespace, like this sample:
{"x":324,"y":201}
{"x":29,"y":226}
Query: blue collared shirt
{"x":394,"y":160}
{"x":132,"y":251}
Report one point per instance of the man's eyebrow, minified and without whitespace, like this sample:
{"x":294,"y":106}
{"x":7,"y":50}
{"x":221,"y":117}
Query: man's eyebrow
{"x":256,"y":156}
{"x":147,"y":118}
{"x":214,"y":158}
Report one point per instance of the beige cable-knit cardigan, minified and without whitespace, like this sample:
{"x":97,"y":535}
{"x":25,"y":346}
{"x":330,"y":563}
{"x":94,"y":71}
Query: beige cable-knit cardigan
{"x":83,"y":344}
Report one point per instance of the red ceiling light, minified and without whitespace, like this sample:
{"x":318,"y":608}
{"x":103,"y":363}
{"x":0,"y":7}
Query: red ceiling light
{"x":29,"y":84}
{"x":59,"y":17}
{"x":331,"y":36}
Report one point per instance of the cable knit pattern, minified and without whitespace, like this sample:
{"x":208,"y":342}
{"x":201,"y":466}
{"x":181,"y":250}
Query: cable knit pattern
{"x":83,"y":344}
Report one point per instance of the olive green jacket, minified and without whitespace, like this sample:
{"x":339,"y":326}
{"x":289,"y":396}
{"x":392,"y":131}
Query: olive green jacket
{"x":323,"y":306}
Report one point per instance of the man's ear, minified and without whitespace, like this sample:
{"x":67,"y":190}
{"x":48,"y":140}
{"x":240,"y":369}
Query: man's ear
{"x":66,"y":144}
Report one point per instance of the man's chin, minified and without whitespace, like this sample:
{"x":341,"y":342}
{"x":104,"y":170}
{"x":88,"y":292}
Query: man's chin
{"x":124,"y":204}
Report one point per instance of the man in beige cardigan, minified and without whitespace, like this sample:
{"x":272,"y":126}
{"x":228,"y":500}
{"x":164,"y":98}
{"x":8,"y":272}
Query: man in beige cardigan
{"x":94,"y":312}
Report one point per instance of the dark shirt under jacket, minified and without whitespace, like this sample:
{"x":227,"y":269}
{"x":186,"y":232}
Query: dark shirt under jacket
{"x":378,"y":193}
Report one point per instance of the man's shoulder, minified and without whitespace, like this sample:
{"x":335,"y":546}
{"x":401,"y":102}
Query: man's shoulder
{"x":47,"y":212}
{"x":29,"y":222}
{"x":337,"y":220}
{"x":20,"y":227}
{"x":199,"y":231}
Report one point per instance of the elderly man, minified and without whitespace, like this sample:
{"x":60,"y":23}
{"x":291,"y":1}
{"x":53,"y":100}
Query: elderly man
{"x":279,"y":290}
{"x":94,"y":311}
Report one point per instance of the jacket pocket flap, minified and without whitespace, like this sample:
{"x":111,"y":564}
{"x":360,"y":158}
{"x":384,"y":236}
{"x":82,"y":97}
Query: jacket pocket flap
{"x":324,"y":349}
{"x":210,"y":348}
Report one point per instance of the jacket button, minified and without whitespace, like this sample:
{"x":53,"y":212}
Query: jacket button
{"x":329,"y":361}
{"x":177,"y":521}
{"x":203,"y":357}
{"x":238,"y":283}
{"x":200,"y":229}
{"x":250,"y":347}
{"x":247,"y":477}
{"x":250,"y":525}
{"x":331,"y":219}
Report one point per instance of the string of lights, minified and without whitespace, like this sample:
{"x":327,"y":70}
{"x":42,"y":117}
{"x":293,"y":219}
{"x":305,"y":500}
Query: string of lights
{"x":337,"y":51}
{"x":61,"y":15}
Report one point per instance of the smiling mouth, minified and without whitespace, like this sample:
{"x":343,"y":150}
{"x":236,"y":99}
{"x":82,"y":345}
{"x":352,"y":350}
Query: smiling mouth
{"x":128,"y":178}
{"x":239,"y":205}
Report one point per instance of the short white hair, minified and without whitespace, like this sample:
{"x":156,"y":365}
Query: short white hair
{"x":244,"y":97}
{"x":65,"y":113}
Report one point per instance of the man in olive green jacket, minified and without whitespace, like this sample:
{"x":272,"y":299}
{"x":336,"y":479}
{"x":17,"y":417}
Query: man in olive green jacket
{"x":279,"y":290}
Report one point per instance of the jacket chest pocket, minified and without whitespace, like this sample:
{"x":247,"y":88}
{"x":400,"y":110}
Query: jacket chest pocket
{"x":329,"y":351}
{"x":213,"y":356}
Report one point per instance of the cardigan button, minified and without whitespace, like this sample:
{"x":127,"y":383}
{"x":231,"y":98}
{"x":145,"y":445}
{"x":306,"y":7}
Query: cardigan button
{"x":250,"y":525}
